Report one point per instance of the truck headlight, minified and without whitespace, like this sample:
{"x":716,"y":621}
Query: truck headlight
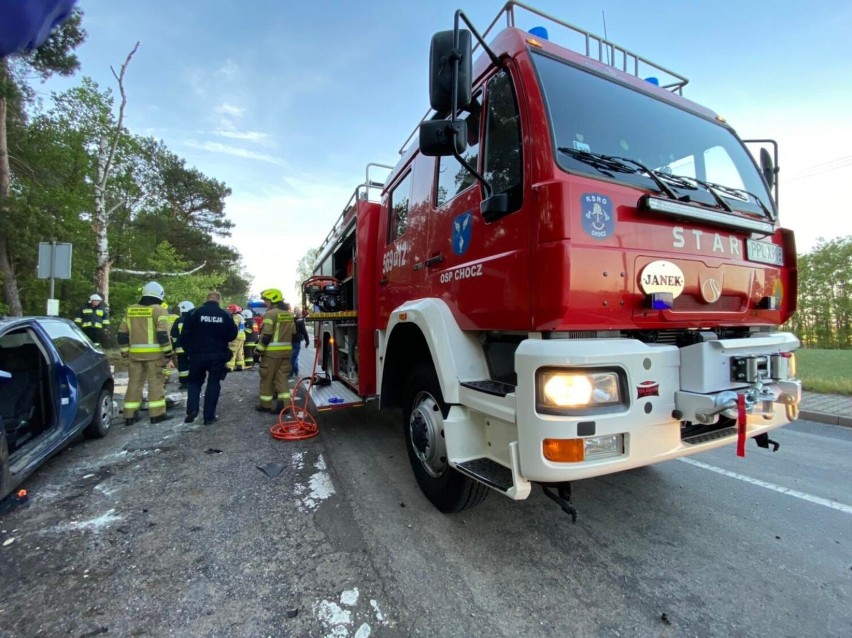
{"x":557,"y":389}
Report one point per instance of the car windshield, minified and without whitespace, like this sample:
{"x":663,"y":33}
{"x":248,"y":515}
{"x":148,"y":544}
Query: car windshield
{"x":606,"y":129}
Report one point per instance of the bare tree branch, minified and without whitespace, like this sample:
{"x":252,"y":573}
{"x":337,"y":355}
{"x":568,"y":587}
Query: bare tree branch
{"x":156,"y":273}
{"x":120,"y":78}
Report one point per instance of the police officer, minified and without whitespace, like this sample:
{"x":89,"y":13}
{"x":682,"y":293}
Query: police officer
{"x":182,"y":359}
{"x":93,"y":318}
{"x":206,"y":332}
{"x":143,"y":339}
{"x":273,"y":350}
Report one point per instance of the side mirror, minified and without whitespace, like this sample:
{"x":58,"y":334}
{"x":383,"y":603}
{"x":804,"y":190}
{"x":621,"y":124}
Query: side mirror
{"x":442,"y":76}
{"x":438,"y":137}
{"x":767,"y":167}
{"x":494,"y":207}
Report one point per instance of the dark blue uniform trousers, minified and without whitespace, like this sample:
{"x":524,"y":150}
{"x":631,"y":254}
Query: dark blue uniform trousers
{"x":211,"y":366}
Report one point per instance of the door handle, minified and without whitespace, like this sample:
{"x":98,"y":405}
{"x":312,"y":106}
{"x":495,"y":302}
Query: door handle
{"x":383,"y":281}
{"x":434,"y":260}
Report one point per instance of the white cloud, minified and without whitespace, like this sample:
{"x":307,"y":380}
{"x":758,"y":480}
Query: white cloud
{"x":228,"y":71}
{"x":250,"y":136}
{"x":231,"y":110}
{"x":218,"y":147}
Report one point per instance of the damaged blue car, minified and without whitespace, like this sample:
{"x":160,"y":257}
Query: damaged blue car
{"x":54,"y":384}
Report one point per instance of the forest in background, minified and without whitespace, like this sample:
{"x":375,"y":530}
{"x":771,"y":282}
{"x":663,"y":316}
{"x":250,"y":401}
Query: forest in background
{"x":71,"y":172}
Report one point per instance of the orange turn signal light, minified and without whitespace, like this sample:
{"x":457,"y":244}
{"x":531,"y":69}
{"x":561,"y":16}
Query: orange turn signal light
{"x":403,"y":316}
{"x":564,"y":450}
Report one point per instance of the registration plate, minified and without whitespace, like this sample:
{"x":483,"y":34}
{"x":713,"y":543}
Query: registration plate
{"x":764,"y":253}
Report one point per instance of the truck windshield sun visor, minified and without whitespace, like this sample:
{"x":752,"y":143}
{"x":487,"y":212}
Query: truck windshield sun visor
{"x":602,"y":127}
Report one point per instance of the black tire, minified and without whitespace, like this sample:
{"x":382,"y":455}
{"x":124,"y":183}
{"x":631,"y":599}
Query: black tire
{"x":99,"y":427}
{"x":423,"y":416}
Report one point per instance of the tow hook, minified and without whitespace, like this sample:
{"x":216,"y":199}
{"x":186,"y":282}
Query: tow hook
{"x":562,"y":498}
{"x":764,"y":441}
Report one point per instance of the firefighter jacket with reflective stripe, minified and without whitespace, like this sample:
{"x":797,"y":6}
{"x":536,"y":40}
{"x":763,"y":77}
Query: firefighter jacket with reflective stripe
{"x":174,"y":333}
{"x":240,"y":323}
{"x":91,"y":317}
{"x":144,"y":333}
{"x":276,"y":334}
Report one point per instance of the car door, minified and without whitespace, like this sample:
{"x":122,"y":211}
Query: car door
{"x":79,"y":374}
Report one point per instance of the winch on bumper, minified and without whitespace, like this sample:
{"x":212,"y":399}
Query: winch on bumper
{"x":661,"y":389}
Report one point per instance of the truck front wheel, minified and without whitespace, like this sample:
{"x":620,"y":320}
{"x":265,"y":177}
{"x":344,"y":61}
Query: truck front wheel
{"x":424,"y":412}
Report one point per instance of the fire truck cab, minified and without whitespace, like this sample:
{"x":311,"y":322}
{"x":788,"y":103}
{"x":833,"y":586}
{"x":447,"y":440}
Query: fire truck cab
{"x":576,"y":272}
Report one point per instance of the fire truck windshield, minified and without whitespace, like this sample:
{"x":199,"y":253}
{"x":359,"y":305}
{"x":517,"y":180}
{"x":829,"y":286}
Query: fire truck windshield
{"x":604,"y":128}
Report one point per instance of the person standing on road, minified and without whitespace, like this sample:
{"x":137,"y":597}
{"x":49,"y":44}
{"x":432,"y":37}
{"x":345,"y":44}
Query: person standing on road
{"x":205,"y":336}
{"x":237,"y":361}
{"x":182,"y":359}
{"x":301,"y":334}
{"x":93,"y":318}
{"x":143,"y":339}
{"x":273,"y":351}
{"x":250,"y":331}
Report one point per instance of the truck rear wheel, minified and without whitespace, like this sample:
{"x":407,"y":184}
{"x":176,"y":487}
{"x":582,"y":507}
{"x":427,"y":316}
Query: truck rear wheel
{"x":424,"y":411}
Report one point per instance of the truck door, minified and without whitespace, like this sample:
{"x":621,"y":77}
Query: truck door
{"x":482,"y":269}
{"x":402,"y":234}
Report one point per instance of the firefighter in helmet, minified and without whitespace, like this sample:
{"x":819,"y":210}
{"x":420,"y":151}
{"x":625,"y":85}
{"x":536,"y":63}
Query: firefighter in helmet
{"x":237,"y":361}
{"x":93,"y":318}
{"x":143,"y":339}
{"x":273,"y":351}
{"x":182,"y":359}
{"x":171,"y":319}
{"x":251,"y":331}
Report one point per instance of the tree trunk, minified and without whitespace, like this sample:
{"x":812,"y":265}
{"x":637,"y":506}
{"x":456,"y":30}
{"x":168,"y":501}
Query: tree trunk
{"x":7,"y":270}
{"x":99,"y":224}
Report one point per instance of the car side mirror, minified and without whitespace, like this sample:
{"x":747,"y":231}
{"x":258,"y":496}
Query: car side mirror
{"x":767,"y":167}
{"x":438,"y":137}
{"x":442,"y":71}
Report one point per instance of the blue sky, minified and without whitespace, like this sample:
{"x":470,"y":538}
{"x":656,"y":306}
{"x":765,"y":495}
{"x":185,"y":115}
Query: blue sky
{"x":286,"y":102}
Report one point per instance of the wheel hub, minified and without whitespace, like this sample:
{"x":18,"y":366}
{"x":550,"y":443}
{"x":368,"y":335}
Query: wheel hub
{"x":427,"y":438}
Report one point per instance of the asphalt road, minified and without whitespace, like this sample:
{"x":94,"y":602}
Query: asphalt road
{"x":171,"y":530}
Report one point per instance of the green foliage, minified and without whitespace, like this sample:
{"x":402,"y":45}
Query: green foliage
{"x":827,"y":371}
{"x":824,"y":315}
{"x":305,"y":269}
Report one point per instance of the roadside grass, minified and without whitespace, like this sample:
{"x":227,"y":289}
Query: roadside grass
{"x":828,"y":371}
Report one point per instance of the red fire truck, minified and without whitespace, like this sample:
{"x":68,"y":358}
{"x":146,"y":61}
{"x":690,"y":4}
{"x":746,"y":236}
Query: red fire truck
{"x":576,"y":272}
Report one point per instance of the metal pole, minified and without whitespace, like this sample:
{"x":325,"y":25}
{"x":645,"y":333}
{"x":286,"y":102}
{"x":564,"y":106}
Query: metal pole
{"x":52,"y":265}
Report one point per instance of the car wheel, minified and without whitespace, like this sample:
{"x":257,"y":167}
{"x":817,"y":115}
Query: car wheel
{"x":424,"y":411}
{"x":99,"y":426}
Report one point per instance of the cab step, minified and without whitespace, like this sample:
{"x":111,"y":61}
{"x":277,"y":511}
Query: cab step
{"x":489,"y":472}
{"x":489,"y":386}
{"x":334,"y":396}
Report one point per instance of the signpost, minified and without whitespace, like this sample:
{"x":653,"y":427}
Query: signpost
{"x":54,"y":262}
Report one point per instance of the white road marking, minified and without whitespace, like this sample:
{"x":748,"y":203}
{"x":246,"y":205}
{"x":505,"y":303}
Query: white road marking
{"x":771,"y":486}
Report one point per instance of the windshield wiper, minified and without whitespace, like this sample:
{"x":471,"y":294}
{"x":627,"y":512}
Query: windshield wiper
{"x":738,"y":193}
{"x":619,"y":164}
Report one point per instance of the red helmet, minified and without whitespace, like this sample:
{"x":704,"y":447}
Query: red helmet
{"x":234,"y":309}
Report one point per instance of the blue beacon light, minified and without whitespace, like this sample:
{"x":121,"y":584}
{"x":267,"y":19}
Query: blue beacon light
{"x":539,"y":32}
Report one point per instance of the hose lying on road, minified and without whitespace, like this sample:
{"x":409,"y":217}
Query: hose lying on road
{"x":295,"y":423}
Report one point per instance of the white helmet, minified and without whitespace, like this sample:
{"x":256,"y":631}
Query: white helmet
{"x":153,"y":289}
{"x":95,"y":297}
{"x":247,"y":314}
{"x":186,"y":306}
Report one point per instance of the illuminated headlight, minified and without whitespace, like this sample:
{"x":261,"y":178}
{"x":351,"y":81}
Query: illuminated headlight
{"x":558,"y":389}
